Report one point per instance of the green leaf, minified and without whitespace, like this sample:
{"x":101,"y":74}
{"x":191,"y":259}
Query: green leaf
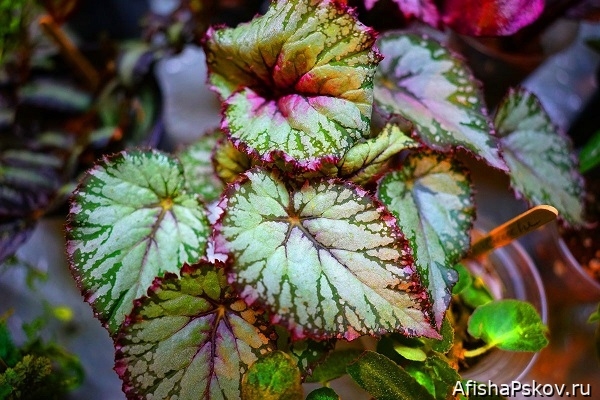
{"x":9,"y":353}
{"x":465,"y":280}
{"x":509,"y":325}
{"x":273,"y":377}
{"x":410,"y":353}
{"x":296,"y":82}
{"x":425,"y":83}
{"x":334,"y":365}
{"x":323,"y":393}
{"x":190,"y":338}
{"x":321,"y":257}
{"x":432,"y":200}
{"x":369,"y":159}
{"x":436,"y":375}
{"x":198,"y":168}
{"x":589,"y":156}
{"x":476,"y":293}
{"x":230,"y":163}
{"x":55,"y":95}
{"x":131,"y":220}
{"x":384,"y":379}
{"x":443,"y":345}
{"x":543,"y":167}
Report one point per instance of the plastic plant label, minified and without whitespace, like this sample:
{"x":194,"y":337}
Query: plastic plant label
{"x":425,"y":83}
{"x":432,"y":200}
{"x":509,"y":325}
{"x":190,"y":338}
{"x":131,"y":220}
{"x":321,"y":257}
{"x":296,"y":82}
{"x":273,"y":377}
{"x":543,"y":167}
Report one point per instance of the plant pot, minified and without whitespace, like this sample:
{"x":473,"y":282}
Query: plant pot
{"x":565,"y":279}
{"x":512,"y":275}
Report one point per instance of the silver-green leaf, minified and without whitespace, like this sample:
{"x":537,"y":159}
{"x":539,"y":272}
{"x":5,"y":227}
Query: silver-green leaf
{"x":131,"y":220}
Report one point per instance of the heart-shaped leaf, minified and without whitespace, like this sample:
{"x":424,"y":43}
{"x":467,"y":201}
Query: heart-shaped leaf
{"x":427,"y":84}
{"x":190,"y":338}
{"x":432,"y":200}
{"x":198,"y":168}
{"x":325,"y":258}
{"x":131,"y":220}
{"x":490,"y":17}
{"x":543,"y":166}
{"x":509,"y":324}
{"x":296,"y":82}
{"x":424,"y":10}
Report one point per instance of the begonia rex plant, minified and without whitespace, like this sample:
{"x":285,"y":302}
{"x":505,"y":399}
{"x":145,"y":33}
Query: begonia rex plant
{"x":329,"y":205}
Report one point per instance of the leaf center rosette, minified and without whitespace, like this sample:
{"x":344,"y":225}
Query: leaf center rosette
{"x":297,"y":82}
{"x":325,"y":258}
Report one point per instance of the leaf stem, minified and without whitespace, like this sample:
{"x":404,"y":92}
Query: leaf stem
{"x":478,"y":351}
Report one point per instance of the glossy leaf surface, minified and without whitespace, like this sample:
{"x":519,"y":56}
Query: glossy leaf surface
{"x":425,"y":83}
{"x":490,"y":17}
{"x":543,"y":167}
{"x":190,"y":338}
{"x":296,"y":82}
{"x":322,"y":257}
{"x":131,"y":220}
{"x":509,"y":325}
{"x":432,"y":200}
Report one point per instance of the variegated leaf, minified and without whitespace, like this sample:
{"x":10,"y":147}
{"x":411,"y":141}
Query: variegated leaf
{"x":424,"y":10}
{"x":297,"y":82}
{"x":543,"y":166}
{"x":131,"y":220}
{"x":432,"y":200}
{"x":190,"y":338}
{"x":230,"y":162}
{"x":325,"y":258}
{"x":367,"y":160}
{"x":273,"y":377}
{"x":427,"y":84}
{"x":200,"y":175}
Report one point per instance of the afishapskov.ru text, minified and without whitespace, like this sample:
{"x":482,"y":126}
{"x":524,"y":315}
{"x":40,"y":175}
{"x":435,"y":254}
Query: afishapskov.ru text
{"x":533,"y":389}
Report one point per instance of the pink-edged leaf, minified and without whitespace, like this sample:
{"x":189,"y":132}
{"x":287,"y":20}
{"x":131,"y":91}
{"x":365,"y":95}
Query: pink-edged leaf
{"x":131,"y":219}
{"x":325,"y":258}
{"x":423,"y":10}
{"x":543,"y":165}
{"x":424,"y":82}
{"x":490,"y":17}
{"x":296,"y":82}
{"x":190,"y":338}
{"x":432,"y":200}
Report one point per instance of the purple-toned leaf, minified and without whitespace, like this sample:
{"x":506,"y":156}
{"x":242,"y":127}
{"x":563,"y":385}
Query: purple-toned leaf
{"x":190,"y":338}
{"x":490,"y":17}
{"x":296,"y":82}
{"x":432,"y":200}
{"x":543,"y":165}
{"x":424,"y":82}
{"x":325,"y":258}
{"x":424,"y":10}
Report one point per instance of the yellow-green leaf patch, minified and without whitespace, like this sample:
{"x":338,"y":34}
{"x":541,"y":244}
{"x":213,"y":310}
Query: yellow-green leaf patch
{"x":296,"y":82}
{"x":432,"y":200}
{"x":190,"y":338}
{"x":325,"y":258}
{"x":131,"y":220}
